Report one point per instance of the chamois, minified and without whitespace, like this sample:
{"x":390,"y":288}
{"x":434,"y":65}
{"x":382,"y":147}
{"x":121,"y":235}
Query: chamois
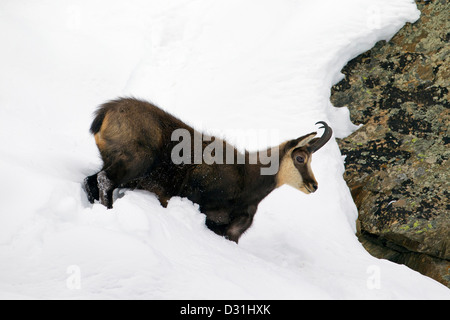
{"x":135,"y":140}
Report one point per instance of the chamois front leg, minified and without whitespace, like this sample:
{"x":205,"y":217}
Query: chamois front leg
{"x":240,"y":224}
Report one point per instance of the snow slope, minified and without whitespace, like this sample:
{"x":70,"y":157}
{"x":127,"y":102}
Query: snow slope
{"x":256,"y":72}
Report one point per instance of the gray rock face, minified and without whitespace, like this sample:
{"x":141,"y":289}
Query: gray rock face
{"x":397,"y":163}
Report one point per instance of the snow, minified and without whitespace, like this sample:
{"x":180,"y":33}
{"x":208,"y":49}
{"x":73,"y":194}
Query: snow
{"x":226,"y":67}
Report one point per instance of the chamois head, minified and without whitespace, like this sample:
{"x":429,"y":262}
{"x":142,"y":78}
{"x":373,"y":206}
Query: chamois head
{"x":295,"y":167}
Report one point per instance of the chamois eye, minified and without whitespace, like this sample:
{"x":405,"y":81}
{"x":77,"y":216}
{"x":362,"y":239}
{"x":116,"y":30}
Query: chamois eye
{"x":300,"y":159}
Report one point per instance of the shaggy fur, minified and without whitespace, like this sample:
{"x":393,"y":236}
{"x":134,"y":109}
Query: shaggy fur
{"x":134,"y":140}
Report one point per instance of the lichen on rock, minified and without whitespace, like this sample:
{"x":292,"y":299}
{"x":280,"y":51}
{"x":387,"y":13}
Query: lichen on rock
{"x":397,"y":163}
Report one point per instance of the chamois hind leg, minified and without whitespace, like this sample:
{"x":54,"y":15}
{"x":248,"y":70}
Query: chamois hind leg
{"x":106,"y":188}
{"x":119,"y":173}
{"x":91,"y":187}
{"x":110,"y":178}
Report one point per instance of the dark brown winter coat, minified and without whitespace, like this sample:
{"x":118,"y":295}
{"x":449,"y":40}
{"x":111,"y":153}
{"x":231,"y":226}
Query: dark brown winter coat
{"x":135,"y":141}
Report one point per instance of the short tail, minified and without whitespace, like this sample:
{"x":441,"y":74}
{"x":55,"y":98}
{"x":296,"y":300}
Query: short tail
{"x":98,"y":120}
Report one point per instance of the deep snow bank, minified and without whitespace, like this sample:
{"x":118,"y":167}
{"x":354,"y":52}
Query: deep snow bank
{"x":222,"y":66}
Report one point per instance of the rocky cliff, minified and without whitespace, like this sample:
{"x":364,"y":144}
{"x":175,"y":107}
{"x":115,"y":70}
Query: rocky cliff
{"x":397,"y":163}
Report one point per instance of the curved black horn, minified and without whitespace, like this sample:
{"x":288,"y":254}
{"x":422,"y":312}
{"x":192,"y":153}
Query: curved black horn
{"x":319,"y":142}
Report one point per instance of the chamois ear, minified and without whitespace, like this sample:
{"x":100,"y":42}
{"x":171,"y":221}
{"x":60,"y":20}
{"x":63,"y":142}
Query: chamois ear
{"x":299,"y":142}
